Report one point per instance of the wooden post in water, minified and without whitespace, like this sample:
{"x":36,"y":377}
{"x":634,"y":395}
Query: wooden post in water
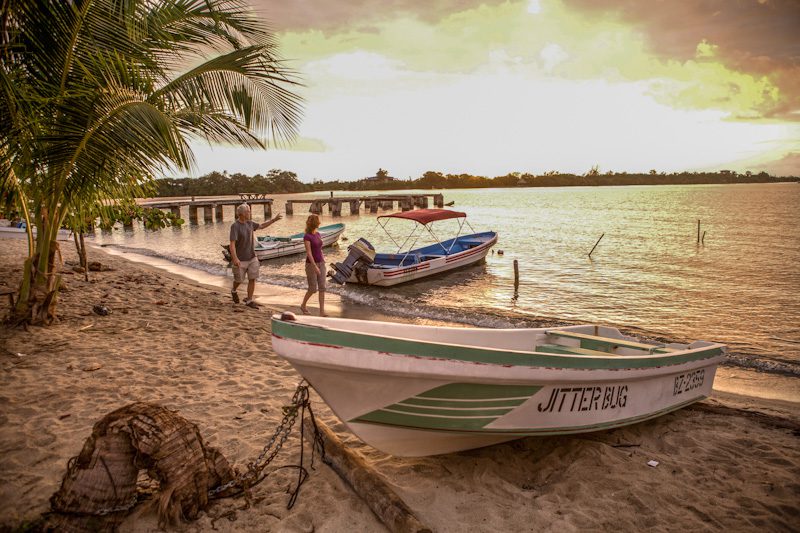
{"x":516,"y":277}
{"x":218,"y":213}
{"x":595,"y":244}
{"x":438,"y":201}
{"x":208,"y":214}
{"x":289,"y":208}
{"x":703,"y":239}
{"x":267,"y":210}
{"x":698,"y":231}
{"x":193,"y":214}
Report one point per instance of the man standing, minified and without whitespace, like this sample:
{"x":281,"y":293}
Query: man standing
{"x":243,"y":254}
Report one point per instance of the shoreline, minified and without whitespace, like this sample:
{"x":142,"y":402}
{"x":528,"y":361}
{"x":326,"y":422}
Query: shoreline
{"x":733,"y":380}
{"x":182,"y":343}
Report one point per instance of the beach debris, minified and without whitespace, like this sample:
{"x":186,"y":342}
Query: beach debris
{"x":354,"y":470}
{"x":100,"y":485}
{"x":92,"y":368}
{"x":84,"y":328}
{"x":653,"y":463}
{"x":500,"y":252}
{"x":62,"y":417}
{"x":101,"y":310}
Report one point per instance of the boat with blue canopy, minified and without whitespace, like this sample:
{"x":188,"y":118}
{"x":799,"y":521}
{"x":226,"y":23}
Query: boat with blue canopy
{"x":363,"y":265}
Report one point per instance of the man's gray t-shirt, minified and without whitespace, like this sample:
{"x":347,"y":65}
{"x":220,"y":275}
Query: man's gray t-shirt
{"x":242,"y":233}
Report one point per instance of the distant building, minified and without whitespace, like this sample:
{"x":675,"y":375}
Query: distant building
{"x":381,"y":175}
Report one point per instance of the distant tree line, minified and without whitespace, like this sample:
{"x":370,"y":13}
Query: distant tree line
{"x":221,"y":183}
{"x":281,"y":181}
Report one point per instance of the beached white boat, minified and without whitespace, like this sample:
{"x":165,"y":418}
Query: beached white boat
{"x":22,"y":233}
{"x":413,"y":390}
{"x":269,"y":247}
{"x":383,"y":269}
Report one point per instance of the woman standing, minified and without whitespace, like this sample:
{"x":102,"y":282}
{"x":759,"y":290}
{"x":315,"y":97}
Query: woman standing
{"x":315,"y":264}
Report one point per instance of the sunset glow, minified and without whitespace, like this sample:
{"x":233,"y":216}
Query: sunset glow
{"x":530,"y":86}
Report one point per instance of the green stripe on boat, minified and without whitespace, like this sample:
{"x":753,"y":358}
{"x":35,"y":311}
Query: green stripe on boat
{"x":449,"y":412}
{"x":476,"y":425}
{"x":375,"y":343}
{"x":477,"y":391}
{"x":465,"y":403}
{"x":424,"y":422}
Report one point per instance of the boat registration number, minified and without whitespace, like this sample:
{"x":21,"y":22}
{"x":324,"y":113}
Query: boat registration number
{"x":689,"y":381}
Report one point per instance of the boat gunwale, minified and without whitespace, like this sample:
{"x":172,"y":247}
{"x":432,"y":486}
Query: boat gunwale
{"x":614,"y":361}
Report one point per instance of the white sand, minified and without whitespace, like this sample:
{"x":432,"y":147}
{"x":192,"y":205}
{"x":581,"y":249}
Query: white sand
{"x":732,"y":462}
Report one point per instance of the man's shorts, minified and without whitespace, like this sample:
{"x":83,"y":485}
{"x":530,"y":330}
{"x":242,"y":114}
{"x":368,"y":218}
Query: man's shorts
{"x":315,"y":281}
{"x":250,"y":267}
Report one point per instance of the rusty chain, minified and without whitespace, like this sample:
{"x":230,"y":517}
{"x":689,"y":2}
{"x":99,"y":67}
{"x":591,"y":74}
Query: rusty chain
{"x":253,"y":475}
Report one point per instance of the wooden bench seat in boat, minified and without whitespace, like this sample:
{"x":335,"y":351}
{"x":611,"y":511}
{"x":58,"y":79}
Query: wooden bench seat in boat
{"x":591,"y":341}
{"x":570,"y":350}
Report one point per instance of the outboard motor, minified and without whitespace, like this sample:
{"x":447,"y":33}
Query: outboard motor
{"x":362,"y":254}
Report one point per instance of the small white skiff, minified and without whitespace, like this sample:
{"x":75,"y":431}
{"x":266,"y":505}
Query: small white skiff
{"x":270,"y":247}
{"x":22,"y":233}
{"x":413,"y":390}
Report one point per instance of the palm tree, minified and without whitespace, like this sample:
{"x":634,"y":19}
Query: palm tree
{"x":99,"y":96}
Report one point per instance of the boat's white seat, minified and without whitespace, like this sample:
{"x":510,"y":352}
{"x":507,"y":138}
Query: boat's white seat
{"x":652,"y":348}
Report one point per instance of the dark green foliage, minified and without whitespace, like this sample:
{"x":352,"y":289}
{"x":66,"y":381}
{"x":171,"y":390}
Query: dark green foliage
{"x":278,"y":181}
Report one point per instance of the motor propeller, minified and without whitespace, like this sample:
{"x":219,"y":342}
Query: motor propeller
{"x":361,"y":255}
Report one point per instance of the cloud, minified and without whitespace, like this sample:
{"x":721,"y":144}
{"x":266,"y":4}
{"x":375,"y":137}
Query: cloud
{"x":754,"y":37}
{"x":330,"y":15}
{"x":788,"y":165}
{"x":571,"y":43}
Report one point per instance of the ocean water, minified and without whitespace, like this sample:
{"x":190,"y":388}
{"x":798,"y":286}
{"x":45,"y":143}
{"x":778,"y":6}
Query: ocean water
{"x":648,"y":275}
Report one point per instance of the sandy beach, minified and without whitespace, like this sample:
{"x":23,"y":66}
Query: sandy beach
{"x":730,"y":462}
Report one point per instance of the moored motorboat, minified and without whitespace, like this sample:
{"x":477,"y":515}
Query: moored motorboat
{"x":270,"y":247}
{"x":387,"y":269}
{"x":412,"y":390}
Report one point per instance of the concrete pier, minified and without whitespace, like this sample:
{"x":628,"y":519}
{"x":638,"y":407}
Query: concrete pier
{"x":213,"y":209}
{"x":405,"y":202}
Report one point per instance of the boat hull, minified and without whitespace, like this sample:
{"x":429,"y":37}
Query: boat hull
{"x":22,"y":233}
{"x":387,"y":277}
{"x":270,"y":250}
{"x":413,"y":399}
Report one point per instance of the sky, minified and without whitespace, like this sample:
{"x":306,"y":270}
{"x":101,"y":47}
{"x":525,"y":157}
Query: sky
{"x":492,"y":87}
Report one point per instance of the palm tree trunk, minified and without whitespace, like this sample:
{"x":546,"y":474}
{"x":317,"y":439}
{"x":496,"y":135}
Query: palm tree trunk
{"x":40,"y":281}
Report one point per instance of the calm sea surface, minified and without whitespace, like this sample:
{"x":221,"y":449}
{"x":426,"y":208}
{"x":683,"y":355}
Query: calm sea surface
{"x":647,"y":275}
